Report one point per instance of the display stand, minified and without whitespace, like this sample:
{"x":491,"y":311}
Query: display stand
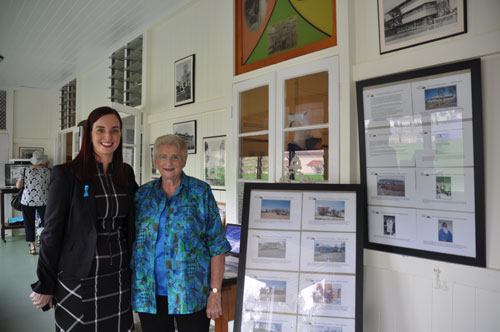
{"x":301,"y":259}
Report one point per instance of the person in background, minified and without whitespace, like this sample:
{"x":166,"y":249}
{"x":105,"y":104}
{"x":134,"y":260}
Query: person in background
{"x":84,"y":266}
{"x":178,"y":256}
{"x":35,"y":180}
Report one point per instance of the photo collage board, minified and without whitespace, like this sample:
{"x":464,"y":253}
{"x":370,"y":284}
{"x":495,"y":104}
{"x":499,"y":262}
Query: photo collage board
{"x":300,"y":258}
{"x":422,"y":162}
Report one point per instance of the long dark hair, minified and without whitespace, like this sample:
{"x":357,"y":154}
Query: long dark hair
{"x":84,"y":163}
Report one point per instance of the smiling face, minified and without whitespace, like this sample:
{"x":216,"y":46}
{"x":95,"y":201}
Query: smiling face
{"x":170,"y":162}
{"x":106,"y":135}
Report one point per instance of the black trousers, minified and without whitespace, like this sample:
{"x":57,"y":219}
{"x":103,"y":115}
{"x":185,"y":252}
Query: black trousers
{"x":163,"y":322}
{"x":29,"y":220}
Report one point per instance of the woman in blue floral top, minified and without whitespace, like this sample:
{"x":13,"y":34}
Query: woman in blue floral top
{"x":178,"y":254}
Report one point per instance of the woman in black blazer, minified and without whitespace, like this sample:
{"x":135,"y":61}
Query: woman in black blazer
{"x":83,"y":269}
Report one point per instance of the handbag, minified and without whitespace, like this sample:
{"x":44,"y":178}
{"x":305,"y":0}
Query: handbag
{"x":15,"y":202}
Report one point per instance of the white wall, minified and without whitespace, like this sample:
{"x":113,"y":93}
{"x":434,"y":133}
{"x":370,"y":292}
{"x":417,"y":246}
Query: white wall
{"x":404,"y":293}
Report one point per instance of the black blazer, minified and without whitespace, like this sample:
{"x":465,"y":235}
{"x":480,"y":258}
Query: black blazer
{"x":69,"y":237}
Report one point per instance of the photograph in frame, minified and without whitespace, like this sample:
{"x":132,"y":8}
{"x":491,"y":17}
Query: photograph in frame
{"x":405,"y":24}
{"x":432,"y":135}
{"x":184,"y":80}
{"x":187,"y":131}
{"x":154,"y":171}
{"x":27,"y":152}
{"x":214,"y":170}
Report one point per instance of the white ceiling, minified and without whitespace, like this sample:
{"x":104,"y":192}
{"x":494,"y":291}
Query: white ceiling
{"x":47,"y":43}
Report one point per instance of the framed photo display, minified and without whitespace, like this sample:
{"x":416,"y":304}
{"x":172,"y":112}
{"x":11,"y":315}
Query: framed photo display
{"x":187,"y":131}
{"x":214,"y":161}
{"x":405,"y":23}
{"x":27,"y":153}
{"x":421,"y":154}
{"x":184,"y":80}
{"x":301,"y":258}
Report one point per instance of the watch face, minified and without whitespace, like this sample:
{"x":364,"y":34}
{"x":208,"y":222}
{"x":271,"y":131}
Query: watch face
{"x":215,"y":290}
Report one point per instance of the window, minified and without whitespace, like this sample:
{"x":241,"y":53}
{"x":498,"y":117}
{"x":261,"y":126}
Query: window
{"x":68,"y":105}
{"x":126,"y":74}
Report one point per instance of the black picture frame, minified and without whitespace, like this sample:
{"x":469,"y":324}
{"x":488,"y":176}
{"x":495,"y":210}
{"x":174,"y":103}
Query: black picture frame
{"x":184,"y":70}
{"x":155,"y":173}
{"x":460,"y":112}
{"x":187,"y":131}
{"x":443,"y":20}
{"x":253,"y":191}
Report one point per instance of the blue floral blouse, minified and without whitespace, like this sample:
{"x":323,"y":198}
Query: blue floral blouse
{"x":193,"y":234}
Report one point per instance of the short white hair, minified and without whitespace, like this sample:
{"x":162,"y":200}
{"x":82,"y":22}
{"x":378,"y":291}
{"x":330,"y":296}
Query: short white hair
{"x":171,"y":139}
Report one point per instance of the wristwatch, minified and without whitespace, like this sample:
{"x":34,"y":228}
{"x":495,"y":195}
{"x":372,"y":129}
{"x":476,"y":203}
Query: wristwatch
{"x":214,"y":290}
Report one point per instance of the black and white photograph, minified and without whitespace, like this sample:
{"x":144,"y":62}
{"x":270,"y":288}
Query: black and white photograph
{"x":282,"y":35}
{"x":184,"y":80}
{"x":187,"y":131}
{"x":27,"y":153}
{"x":272,"y":248}
{"x":389,"y":225}
{"x":154,"y":171}
{"x":403,"y":24}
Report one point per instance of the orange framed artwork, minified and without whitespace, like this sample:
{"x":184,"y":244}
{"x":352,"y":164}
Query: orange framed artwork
{"x":272,"y":31}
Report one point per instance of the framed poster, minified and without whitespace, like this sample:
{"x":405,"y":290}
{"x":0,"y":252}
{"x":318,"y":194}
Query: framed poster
{"x":184,"y":80}
{"x":404,"y":23}
{"x":27,"y":153}
{"x":187,"y":131}
{"x":214,"y":161}
{"x":421,"y":154}
{"x":155,"y":173}
{"x":293,"y":277}
{"x":272,"y":31}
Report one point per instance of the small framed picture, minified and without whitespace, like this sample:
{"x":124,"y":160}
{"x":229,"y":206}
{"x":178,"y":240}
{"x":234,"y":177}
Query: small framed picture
{"x":27,"y":153}
{"x":154,"y":171}
{"x":184,"y":80}
{"x":403,"y":24}
{"x":214,"y":149}
{"x":187,"y":131}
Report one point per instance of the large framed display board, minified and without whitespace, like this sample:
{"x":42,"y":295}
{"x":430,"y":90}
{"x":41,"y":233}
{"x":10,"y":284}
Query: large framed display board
{"x":301,"y":258}
{"x":421,"y":154}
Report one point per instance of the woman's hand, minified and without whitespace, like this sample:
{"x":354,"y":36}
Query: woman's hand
{"x":214,"y":305}
{"x":41,"y":300}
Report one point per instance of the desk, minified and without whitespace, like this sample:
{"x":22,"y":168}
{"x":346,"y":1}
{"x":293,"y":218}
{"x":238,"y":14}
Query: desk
{"x":228,"y":304}
{"x":5,"y":226}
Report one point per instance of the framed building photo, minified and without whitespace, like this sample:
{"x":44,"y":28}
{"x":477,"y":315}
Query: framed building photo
{"x":187,"y":131}
{"x":214,"y":161}
{"x":154,"y":171}
{"x":301,"y":258}
{"x":27,"y":153}
{"x":404,"y":23}
{"x":272,"y":31}
{"x":421,"y":156}
{"x":184,"y":80}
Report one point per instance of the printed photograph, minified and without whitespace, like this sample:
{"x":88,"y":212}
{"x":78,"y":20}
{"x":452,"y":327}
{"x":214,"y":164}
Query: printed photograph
{"x":329,"y":210}
{"x":390,"y":185}
{"x":271,"y":248}
{"x":255,"y":13}
{"x":275,"y":209}
{"x":184,"y":81}
{"x":442,"y":97}
{"x":443,"y":187}
{"x":267,"y":327}
{"x":445,"y":230}
{"x":187,"y":131}
{"x":329,"y":251}
{"x":389,"y":225}
{"x":282,"y":35}
{"x":327,"y":293}
{"x":273,"y":291}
